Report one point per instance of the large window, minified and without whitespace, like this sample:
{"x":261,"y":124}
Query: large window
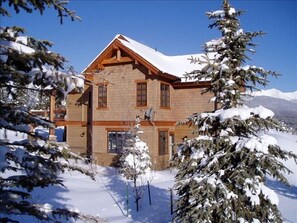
{"x":102,"y":96}
{"x":117,"y":140}
{"x":163,"y":142}
{"x":141,"y":94}
{"x":165,"y":95}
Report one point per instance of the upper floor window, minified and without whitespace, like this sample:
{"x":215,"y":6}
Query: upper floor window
{"x":165,"y":95}
{"x":102,"y":96}
{"x":141,"y":94}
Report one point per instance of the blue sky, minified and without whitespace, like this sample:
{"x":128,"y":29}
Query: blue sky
{"x":173,"y":27}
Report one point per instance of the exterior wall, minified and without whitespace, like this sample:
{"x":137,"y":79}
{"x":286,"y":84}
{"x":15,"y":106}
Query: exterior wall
{"x":121,"y":90}
{"x":121,"y":109}
{"x":189,"y":101}
{"x":77,"y":138}
{"x":186,"y":103}
{"x":121,"y":93}
{"x":76,"y":119}
{"x":74,"y":108}
{"x":121,"y":112}
{"x":150,"y":136}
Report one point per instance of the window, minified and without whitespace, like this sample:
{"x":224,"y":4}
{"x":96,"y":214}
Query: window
{"x":165,"y":95}
{"x":102,"y":96}
{"x":117,"y":140}
{"x":141,"y":94}
{"x":163,"y":142}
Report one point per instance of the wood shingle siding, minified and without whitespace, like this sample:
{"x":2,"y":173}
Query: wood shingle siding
{"x":135,"y":87}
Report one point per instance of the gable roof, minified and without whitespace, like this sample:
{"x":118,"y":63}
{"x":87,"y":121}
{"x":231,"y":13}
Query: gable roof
{"x":175,"y":66}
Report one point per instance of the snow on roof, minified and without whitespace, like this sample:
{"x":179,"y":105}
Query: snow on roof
{"x":174,"y":65}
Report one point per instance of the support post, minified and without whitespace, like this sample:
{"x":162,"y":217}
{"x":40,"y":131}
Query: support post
{"x":52,"y":136}
{"x":127,"y":199}
{"x":149,"y":192}
{"x":171,"y":201}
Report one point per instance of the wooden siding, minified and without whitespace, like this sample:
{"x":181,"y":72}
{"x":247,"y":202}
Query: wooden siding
{"x":77,"y":138}
{"x":121,"y":111}
{"x":189,"y":101}
{"x":74,"y":108}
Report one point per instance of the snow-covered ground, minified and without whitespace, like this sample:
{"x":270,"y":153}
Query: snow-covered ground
{"x":106,"y":197}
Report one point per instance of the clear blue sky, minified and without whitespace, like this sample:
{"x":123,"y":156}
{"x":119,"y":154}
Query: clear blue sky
{"x":173,"y":27}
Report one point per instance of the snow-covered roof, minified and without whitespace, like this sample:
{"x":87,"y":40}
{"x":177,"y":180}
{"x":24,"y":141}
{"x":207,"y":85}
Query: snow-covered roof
{"x":173,"y":65}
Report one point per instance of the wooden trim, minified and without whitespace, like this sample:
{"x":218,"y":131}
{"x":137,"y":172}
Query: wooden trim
{"x":140,"y":81}
{"x":89,"y":77}
{"x":166,"y":149}
{"x":162,"y":107}
{"x":103,"y":97}
{"x":117,"y":129}
{"x":160,"y":123}
{"x":146,"y":94}
{"x":139,"y":58}
{"x":126,"y":123}
{"x":163,"y":130}
{"x":112,"y":61}
{"x":72,"y":123}
{"x":169,"y":92}
{"x":102,"y":83}
{"x":104,"y":59}
{"x":189,"y":85}
{"x":103,"y":108}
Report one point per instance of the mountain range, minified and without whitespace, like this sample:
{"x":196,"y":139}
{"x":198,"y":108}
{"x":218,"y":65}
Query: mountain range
{"x":283,"y":104}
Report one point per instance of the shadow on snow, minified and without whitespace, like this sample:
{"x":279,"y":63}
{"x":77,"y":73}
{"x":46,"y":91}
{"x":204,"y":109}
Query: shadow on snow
{"x":157,"y":212}
{"x":282,"y":189}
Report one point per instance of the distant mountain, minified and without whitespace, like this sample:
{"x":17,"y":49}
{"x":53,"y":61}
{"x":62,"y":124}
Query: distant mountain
{"x":275,"y":93}
{"x":284,"y":105}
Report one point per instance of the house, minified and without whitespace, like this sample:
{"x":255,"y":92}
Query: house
{"x":129,"y":79}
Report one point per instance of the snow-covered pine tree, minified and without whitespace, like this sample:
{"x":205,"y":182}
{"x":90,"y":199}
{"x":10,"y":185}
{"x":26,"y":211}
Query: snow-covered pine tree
{"x":221,"y":177}
{"x":135,"y":162}
{"x":30,"y":162}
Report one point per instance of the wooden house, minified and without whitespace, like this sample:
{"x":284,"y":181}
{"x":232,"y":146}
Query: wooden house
{"x":129,"y":79}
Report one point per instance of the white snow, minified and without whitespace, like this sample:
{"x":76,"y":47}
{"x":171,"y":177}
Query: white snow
{"x":22,"y":39}
{"x":260,"y":144}
{"x":253,"y":191}
{"x":137,"y":163}
{"x":20,"y":47}
{"x":275,"y":93}
{"x":232,"y":11}
{"x":243,"y":113}
{"x":219,"y":13}
{"x":174,"y":65}
{"x":106,"y":197}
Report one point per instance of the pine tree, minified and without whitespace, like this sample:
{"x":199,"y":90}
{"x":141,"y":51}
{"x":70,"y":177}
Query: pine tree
{"x":135,"y":161}
{"x":221,"y":177}
{"x":26,"y":64}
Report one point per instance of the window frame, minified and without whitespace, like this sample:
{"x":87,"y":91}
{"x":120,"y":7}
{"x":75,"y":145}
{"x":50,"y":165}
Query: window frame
{"x":142,"y":95}
{"x":119,"y":140}
{"x":164,"y":95}
{"x":102,"y":96}
{"x":163,"y":145}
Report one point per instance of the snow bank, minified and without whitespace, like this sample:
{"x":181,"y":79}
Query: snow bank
{"x":106,"y":197}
